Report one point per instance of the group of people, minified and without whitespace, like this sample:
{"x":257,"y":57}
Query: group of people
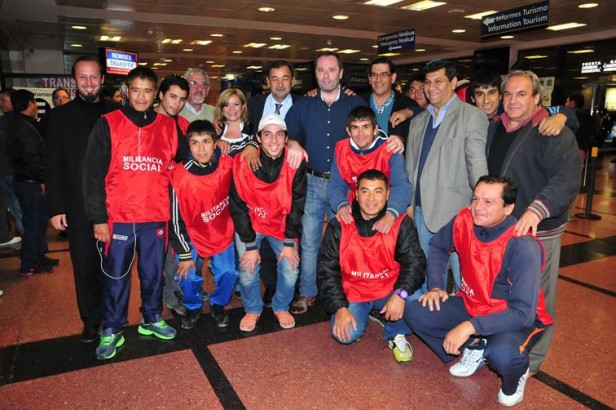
{"x":410,"y":188}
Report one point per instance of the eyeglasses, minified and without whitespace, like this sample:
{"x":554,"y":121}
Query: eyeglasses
{"x":383,"y":76}
{"x":194,"y":83}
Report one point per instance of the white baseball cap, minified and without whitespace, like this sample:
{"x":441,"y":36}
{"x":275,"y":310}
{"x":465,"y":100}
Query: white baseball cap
{"x":270,"y":119}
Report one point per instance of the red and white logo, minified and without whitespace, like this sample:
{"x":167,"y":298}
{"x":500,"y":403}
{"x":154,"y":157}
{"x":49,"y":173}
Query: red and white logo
{"x":160,"y":233}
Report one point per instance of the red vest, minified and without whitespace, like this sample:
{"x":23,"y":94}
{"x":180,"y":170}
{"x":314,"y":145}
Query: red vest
{"x":204,"y":206}
{"x":183,"y":123}
{"x":268,"y":204}
{"x":351,"y":164}
{"x":367,"y":265}
{"x":137,"y":186}
{"x":484,"y":261}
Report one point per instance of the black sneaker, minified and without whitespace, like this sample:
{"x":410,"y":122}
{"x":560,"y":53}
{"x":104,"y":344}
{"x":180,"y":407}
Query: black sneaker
{"x":50,"y":261}
{"x":190,"y":320}
{"x":220,"y":315}
{"x":377,"y":317}
{"x":39,"y":268}
{"x":89,"y":334}
{"x":267,"y":297}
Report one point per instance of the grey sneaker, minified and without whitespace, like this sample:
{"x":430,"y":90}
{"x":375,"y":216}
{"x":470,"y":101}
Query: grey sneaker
{"x":516,"y":397}
{"x":160,"y":329}
{"x":108,"y":344}
{"x":177,"y":307}
{"x":472,"y":359}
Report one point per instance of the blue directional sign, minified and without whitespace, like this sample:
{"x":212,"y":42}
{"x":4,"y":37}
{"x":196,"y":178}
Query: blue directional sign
{"x":394,"y":42}
{"x":514,"y":20}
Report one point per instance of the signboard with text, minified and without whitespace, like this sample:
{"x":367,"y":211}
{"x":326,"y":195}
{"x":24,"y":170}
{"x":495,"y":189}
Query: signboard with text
{"x":119,"y":62}
{"x":395,"y":42}
{"x":514,"y":20}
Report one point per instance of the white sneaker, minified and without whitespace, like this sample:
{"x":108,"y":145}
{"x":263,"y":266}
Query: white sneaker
{"x":516,"y":397}
{"x":472,"y":359}
{"x":401,"y":348}
{"x":12,"y":242}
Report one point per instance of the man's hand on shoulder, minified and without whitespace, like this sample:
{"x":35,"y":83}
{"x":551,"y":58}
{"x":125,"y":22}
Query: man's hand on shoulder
{"x":395,"y":144}
{"x":345,"y":214}
{"x":251,"y":156}
{"x":528,"y":221}
{"x":394,"y":308}
{"x":295,"y":154}
{"x":224,"y":147}
{"x":433,"y":298}
{"x":553,"y":125}
{"x":384,"y":224}
{"x":343,"y":320}
{"x":400,"y":116}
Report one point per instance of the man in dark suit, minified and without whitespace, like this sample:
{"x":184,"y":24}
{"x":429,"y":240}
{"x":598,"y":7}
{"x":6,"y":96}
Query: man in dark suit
{"x":68,"y":131}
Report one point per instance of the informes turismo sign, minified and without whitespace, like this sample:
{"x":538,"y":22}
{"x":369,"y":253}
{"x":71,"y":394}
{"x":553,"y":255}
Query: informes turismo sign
{"x":119,"y":62}
{"x":514,"y":20}
{"x":395,"y":42}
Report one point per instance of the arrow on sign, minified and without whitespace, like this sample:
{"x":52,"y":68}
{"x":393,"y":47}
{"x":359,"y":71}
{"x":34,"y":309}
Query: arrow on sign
{"x":488,"y":21}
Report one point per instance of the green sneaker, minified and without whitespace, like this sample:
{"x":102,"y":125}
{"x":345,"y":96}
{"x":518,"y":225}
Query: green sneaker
{"x":160,"y":329}
{"x":401,"y":348}
{"x":108,"y":344}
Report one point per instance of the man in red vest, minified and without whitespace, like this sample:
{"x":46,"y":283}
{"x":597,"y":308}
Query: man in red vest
{"x":361,"y":268}
{"x":268,"y":204}
{"x":499,"y":312}
{"x":126,"y":192}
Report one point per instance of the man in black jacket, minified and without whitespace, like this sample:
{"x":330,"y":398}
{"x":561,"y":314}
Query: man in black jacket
{"x":26,"y":154}
{"x":68,"y":130}
{"x":360,"y":269}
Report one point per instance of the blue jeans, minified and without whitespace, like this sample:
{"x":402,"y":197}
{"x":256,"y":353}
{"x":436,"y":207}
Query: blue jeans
{"x":6,"y":185}
{"x":424,"y":241}
{"x":250,"y":282}
{"x":360,"y":311}
{"x":312,"y":233}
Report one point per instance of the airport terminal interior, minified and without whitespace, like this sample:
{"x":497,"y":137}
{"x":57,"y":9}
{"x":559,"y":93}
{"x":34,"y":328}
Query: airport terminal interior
{"x":43,"y":362}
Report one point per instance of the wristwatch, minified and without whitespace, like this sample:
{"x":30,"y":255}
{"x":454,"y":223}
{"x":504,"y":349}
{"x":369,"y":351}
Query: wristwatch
{"x":402,"y":293}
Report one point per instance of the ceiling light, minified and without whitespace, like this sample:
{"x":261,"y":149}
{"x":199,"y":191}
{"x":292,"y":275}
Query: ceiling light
{"x":167,"y":60}
{"x":588,"y":5}
{"x":327,"y":49}
{"x":213,"y":77}
{"x":201,"y":42}
{"x":276,"y":38}
{"x":254,"y":67}
{"x":210,"y":62}
{"x":420,"y":50}
{"x":76,"y":45}
{"x":389,"y":54}
{"x":79,"y":27}
{"x":383,"y":3}
{"x":143,"y":63}
{"x":159,"y":64}
{"x":176,"y":41}
{"x":340,"y":17}
{"x":375,"y":46}
{"x":266,"y":9}
{"x":216,"y":35}
{"x":279,"y":46}
{"x":479,"y":16}
{"x":423,"y":5}
{"x":187,"y":49}
{"x":217,"y":65}
{"x":349,"y":51}
{"x":581,"y":51}
{"x":154,"y":68}
{"x":506,"y":37}
{"x":237,"y":51}
{"x":458,"y":30}
{"x":254,"y":45}
{"x":108,"y":38}
{"x":535,"y":57}
{"x":364,"y":59}
{"x":566,"y":26}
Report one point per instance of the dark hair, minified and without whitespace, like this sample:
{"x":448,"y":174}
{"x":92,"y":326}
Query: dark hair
{"x":8,"y":91}
{"x":57,"y":90}
{"x":578,"y":98}
{"x":144,"y":73}
{"x":485,"y":78}
{"x":383,"y":60}
{"x":279,"y":64}
{"x":20,"y":100}
{"x":361,"y":112}
{"x":199,"y":127}
{"x":89,"y":59}
{"x":421,"y":77}
{"x":372,"y":175}
{"x":510,"y":190}
{"x":173,"y":79}
{"x":328,"y":54}
{"x":450,"y":68}
{"x":107,"y":91}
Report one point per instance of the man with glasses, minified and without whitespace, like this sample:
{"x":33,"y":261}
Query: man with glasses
{"x":197,"y":109}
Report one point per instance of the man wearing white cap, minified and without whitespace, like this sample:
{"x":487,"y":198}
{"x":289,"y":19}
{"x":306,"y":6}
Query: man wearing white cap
{"x":268,"y":204}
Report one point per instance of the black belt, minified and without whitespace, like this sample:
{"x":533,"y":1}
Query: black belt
{"x":324,"y":175}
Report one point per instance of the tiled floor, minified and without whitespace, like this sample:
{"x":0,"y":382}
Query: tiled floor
{"x":44,"y":365}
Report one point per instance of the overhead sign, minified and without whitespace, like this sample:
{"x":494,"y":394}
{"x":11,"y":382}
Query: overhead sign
{"x":395,"y":42}
{"x":514,"y":20}
{"x":119,"y":62}
{"x":590,"y":67}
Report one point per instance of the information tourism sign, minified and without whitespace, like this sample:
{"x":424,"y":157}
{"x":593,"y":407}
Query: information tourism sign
{"x":514,"y":20}
{"x":395,"y":42}
{"x":119,"y":62}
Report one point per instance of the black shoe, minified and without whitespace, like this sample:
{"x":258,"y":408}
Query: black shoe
{"x":190,"y":320}
{"x":39,"y":268}
{"x":377,"y":317}
{"x":267,"y":297}
{"x":50,"y":261}
{"x":220,"y":315}
{"x":89,"y":335}
{"x":238,"y":294}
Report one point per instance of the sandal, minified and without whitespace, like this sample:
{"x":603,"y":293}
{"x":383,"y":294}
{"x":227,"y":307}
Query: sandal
{"x":301,"y":304}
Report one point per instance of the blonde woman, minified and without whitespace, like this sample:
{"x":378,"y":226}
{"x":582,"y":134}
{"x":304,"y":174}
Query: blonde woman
{"x":232,"y":114}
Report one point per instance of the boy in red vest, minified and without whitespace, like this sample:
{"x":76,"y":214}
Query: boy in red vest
{"x":499,"y":313}
{"x":268,"y":204}
{"x":126,"y":191}
{"x":361,"y":269}
{"x":201,"y":225}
